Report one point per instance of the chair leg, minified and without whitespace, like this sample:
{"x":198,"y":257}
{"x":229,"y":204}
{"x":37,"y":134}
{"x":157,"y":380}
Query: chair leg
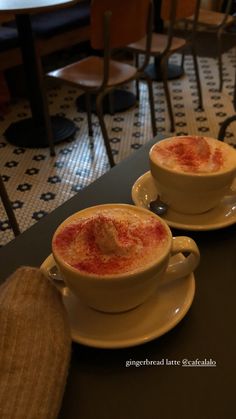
{"x":164,"y":69}
{"x":234,"y":97}
{"x":137,"y":80}
{"x":182,"y":60}
{"x":51,"y":144}
{"x":224,"y":126}
{"x":99,"y":111}
{"x":151,"y":104}
{"x":183,"y":53}
{"x":8,"y":208}
{"x":198,"y":81}
{"x":111,"y":103}
{"x":89,"y":113}
{"x":219,"y":47}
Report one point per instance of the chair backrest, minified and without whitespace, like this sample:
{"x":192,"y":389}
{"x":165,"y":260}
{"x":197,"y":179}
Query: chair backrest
{"x":128,"y":21}
{"x":174,"y":10}
{"x":227,"y":9}
{"x":8,"y":208}
{"x":184,"y":8}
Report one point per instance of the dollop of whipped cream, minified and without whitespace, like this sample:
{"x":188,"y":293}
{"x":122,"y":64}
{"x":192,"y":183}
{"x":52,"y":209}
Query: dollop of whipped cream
{"x":111,"y":242}
{"x":108,"y":240}
{"x":191,"y":154}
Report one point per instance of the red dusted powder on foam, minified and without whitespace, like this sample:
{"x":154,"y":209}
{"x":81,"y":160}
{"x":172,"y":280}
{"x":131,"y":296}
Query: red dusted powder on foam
{"x":190,"y":154}
{"x":218,"y":158}
{"x":106,"y":245}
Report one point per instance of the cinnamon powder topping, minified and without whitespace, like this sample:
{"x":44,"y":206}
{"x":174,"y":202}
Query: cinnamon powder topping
{"x":107,"y":244}
{"x":189,"y":154}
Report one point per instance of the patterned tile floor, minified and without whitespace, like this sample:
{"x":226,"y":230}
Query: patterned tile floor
{"x":38,"y":183}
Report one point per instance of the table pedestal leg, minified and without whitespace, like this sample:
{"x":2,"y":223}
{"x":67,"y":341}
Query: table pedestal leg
{"x":122,"y":100}
{"x":154,"y":71}
{"x":25,"y":134}
{"x":36,"y":131}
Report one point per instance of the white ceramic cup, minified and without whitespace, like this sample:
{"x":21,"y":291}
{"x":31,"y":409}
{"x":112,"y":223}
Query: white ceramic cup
{"x":124,"y":291}
{"x":192,"y":192}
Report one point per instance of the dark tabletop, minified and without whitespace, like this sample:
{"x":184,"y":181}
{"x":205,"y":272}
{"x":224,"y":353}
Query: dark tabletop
{"x":99,"y":385}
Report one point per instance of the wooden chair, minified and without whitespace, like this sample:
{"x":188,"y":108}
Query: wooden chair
{"x":215,"y":22}
{"x":8,"y":208}
{"x":164,"y":45}
{"x":114,"y":24}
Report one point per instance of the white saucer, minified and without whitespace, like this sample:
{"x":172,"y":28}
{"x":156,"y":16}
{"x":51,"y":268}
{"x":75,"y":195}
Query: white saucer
{"x":158,"y":315}
{"x":144,"y":191}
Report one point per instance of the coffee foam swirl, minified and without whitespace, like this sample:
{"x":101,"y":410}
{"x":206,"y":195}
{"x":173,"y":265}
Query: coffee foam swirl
{"x":111,"y":242}
{"x":194,"y":154}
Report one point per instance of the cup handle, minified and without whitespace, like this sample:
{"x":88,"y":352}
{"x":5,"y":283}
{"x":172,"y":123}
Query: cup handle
{"x":232,"y":190}
{"x":186,"y":265}
{"x":50,"y":270}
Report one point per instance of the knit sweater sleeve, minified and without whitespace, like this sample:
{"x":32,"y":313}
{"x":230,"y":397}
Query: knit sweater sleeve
{"x":35,"y":347}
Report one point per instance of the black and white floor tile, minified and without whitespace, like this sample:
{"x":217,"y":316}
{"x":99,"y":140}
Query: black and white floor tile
{"x":38,"y":183}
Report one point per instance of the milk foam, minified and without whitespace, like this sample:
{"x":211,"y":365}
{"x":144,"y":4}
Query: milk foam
{"x":194,"y":154}
{"x":112,"y":241}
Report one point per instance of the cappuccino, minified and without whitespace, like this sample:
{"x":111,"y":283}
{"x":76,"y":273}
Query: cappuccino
{"x":194,"y":154}
{"x":114,"y":256}
{"x":192,"y":174}
{"x":112,"y":241}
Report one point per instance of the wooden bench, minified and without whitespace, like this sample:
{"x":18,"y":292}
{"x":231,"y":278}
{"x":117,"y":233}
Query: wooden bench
{"x":55,"y":30}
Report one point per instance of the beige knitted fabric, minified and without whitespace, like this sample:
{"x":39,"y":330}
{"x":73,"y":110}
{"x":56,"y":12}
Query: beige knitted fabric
{"x":35,"y":347}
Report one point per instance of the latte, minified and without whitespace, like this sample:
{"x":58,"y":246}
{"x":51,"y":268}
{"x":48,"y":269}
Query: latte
{"x":112,"y":241}
{"x":113,"y":257}
{"x":194,"y":154}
